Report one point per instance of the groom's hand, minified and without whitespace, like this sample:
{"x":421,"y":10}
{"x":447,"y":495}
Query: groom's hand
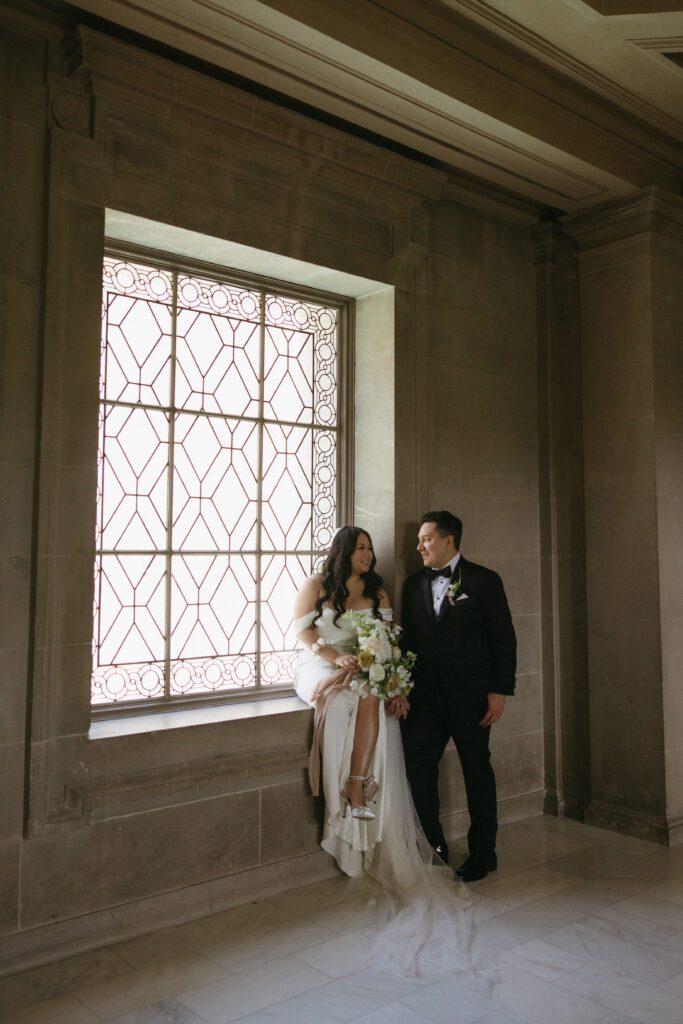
{"x":495,"y":709}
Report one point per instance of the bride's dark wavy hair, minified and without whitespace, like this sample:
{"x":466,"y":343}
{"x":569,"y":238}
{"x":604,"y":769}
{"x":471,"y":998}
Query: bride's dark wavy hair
{"x":337,"y":569}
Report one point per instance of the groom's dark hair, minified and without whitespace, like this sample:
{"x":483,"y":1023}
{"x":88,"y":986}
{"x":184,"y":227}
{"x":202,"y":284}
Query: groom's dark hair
{"x":446,"y":523}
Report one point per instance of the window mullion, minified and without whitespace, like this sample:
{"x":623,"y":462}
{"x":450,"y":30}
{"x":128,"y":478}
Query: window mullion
{"x":169,"y":506}
{"x":259,"y":484}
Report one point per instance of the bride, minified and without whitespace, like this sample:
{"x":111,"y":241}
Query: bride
{"x":370,"y":823}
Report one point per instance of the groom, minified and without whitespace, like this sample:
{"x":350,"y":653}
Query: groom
{"x":456,"y":619}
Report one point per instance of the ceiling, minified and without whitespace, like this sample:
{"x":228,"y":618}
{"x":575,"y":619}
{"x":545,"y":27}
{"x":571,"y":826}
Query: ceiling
{"x":563,"y":104}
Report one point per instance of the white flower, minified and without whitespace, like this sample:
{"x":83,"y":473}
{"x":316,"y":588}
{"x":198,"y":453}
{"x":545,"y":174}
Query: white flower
{"x":376,"y":673}
{"x":380,"y":647}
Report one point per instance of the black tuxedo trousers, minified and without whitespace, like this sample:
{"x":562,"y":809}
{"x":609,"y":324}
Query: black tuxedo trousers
{"x":426,"y":732}
{"x":464,"y":653}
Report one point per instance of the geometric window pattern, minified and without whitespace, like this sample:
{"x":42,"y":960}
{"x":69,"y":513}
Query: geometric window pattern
{"x":217,"y":481}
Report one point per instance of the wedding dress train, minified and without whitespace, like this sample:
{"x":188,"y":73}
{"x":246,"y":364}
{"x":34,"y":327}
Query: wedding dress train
{"x":425,"y":915}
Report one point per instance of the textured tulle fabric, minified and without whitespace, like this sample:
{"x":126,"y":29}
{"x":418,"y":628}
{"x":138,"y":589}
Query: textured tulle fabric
{"x":422,"y":919}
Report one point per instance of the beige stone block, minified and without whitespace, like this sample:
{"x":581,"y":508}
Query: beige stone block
{"x":263,"y":733}
{"x":485,"y":464}
{"x":672,"y":650}
{"x":570,"y":581}
{"x":9,"y":886}
{"x":506,"y":405}
{"x":22,"y":154}
{"x":621,"y":455}
{"x":670,"y":521}
{"x":77,"y":416}
{"x":70,"y":529}
{"x":674,"y":784}
{"x":11,"y":805}
{"x":16,"y":494}
{"x":61,"y":693}
{"x":517,"y":762}
{"x":124,"y":859}
{"x":618,"y":523}
{"x":576,"y":772}
{"x":22,"y":77}
{"x":672,"y":713}
{"x":627,"y":776}
{"x":574,"y":703}
{"x":622,"y":588}
{"x":528,"y":630}
{"x":20,"y":302}
{"x":13,"y":668}
{"x":493,"y":527}
{"x":671,"y":584}
{"x":17,"y":417}
{"x":630,"y":713}
{"x":64,"y":609}
{"x":521,"y":580}
{"x":290,"y":821}
{"x":567,"y":517}
{"x":374,"y":509}
{"x":567,"y":466}
{"x":626,"y":652}
{"x":21,"y":222}
{"x":524,"y":712}
{"x":14,"y":601}
{"x":564,"y":382}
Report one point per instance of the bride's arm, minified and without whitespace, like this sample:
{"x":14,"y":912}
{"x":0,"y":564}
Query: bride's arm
{"x":385,"y":605}
{"x":304,"y":604}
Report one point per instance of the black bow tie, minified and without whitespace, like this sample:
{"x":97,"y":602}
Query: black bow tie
{"x":435,"y":573}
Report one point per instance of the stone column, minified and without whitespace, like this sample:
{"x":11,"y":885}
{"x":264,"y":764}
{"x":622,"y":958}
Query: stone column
{"x":631,"y":257}
{"x":563,"y":584}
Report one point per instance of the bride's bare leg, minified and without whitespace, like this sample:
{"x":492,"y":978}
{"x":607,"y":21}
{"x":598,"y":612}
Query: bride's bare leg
{"x":364,"y":741}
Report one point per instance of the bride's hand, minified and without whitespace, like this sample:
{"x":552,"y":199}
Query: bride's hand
{"x":397,"y":707}
{"x":347,"y":661}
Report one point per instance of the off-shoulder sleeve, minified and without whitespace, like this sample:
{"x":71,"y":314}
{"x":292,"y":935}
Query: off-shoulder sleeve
{"x":387,"y":614}
{"x":299,"y":625}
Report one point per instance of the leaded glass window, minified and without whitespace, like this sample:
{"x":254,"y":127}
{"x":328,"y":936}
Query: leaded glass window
{"x":218,"y":479}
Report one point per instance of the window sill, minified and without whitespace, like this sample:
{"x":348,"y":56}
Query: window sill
{"x":106,"y":728}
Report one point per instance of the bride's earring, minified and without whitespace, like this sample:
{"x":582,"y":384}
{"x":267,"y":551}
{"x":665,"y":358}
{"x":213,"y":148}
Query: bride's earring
{"x":370,"y":787}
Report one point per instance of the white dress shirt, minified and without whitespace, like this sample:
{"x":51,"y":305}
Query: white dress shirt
{"x":440,"y":584}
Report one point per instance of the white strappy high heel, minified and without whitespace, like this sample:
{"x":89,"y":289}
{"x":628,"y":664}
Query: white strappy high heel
{"x":370,"y":787}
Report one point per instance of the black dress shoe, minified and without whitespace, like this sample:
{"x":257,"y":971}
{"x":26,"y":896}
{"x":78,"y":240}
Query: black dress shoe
{"x":476,"y":867}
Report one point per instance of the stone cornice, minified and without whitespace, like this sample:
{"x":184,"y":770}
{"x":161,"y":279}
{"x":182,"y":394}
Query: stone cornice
{"x":648,"y":211}
{"x":117,"y":72}
{"x":496,"y":202}
{"x":570,"y":65}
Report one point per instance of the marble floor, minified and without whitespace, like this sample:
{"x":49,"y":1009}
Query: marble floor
{"x":579,"y":924}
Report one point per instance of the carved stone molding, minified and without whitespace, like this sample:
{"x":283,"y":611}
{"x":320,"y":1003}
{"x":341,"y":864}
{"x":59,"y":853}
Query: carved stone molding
{"x":71,"y":110}
{"x":546,"y":239}
{"x":649,"y":211}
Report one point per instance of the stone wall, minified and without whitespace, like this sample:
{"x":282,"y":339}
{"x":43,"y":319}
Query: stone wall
{"x":480,"y":455}
{"x":105,"y":834}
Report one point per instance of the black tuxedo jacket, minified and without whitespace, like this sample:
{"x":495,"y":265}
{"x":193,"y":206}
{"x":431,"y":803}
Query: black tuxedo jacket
{"x":471,"y":645}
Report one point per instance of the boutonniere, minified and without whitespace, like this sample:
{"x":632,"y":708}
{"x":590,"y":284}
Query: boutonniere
{"x":454,"y":589}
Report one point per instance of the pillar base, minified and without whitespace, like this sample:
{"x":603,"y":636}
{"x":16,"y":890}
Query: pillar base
{"x":653,"y":827}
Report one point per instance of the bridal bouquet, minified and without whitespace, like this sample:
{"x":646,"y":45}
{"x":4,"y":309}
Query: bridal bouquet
{"x":380,"y":660}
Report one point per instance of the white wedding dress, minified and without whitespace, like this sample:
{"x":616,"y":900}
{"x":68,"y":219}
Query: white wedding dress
{"x":426,"y":914}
